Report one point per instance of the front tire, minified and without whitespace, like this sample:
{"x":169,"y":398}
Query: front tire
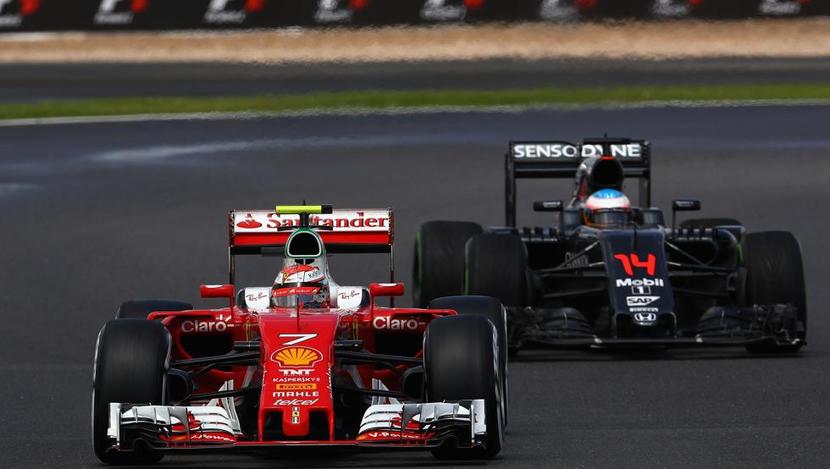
{"x":131,"y":361}
{"x":775,"y":275}
{"x":492,"y":309}
{"x":461,"y":362}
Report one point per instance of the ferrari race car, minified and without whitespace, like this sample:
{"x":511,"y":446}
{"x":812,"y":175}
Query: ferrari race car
{"x":606,"y":274}
{"x":303,"y":363}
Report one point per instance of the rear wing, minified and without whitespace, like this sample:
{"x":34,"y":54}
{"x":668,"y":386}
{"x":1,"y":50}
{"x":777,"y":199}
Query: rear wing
{"x":559,"y":159}
{"x":351,"y":231}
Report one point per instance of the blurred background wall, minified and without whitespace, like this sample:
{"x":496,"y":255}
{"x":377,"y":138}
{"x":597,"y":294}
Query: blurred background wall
{"x":82,"y":15}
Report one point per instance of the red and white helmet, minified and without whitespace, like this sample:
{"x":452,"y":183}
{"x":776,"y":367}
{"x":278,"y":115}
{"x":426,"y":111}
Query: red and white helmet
{"x":302,"y":280}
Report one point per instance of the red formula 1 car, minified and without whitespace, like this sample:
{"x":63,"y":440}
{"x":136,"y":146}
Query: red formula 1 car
{"x":305,"y":362}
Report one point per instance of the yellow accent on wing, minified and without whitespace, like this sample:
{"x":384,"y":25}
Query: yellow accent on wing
{"x":298,"y":209}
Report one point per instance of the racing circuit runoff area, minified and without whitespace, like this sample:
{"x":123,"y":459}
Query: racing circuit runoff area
{"x":101,"y":212}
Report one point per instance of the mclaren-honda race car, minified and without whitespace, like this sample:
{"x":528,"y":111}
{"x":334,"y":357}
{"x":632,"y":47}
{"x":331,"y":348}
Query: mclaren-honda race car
{"x":605,"y":274}
{"x":304,"y":362}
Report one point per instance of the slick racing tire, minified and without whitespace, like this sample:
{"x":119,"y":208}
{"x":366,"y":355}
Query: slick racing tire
{"x":139,"y":309}
{"x":460,"y":363}
{"x":438,"y":266}
{"x":493,"y":310}
{"x":131,"y":361}
{"x":497,"y":267}
{"x":708,"y":222}
{"x":775,"y":275}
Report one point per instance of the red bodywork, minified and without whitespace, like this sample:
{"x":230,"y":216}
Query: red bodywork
{"x":297,"y":367}
{"x":296,"y":361}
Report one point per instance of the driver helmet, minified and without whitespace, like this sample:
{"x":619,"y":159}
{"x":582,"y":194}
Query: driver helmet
{"x":607,"y":208}
{"x":303,"y":281}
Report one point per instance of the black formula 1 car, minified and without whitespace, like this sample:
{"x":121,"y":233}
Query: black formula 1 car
{"x":639,"y":283}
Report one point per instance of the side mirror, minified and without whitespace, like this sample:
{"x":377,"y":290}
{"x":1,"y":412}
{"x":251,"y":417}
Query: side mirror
{"x":682,"y":205}
{"x":386,"y":289}
{"x":685,"y":205}
{"x":216,"y":291}
{"x":548,"y":206}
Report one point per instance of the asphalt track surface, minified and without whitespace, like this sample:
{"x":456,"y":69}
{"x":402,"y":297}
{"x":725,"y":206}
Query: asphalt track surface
{"x":38,"y":82}
{"x":99,"y":213}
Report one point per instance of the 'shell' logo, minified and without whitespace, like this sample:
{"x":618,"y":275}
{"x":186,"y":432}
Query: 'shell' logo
{"x":629,"y":261}
{"x":297,"y":356}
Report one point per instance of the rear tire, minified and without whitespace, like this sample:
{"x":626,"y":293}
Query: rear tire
{"x":492,"y":309}
{"x":131,"y":361}
{"x":497,"y":267}
{"x":461,"y":362}
{"x":438,"y":266}
{"x":775,"y":275}
{"x":139,"y":309}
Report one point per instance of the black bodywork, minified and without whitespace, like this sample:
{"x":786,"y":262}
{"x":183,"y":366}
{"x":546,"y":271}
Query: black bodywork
{"x":643,"y":284}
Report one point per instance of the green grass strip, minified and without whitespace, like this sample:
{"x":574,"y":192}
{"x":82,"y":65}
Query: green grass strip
{"x":413,"y":99}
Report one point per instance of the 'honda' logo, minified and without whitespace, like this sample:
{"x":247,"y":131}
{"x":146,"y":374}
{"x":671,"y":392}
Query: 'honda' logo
{"x":645,"y":318}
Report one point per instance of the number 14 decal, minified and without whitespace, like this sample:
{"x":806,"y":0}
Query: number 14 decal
{"x":629,"y":261}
